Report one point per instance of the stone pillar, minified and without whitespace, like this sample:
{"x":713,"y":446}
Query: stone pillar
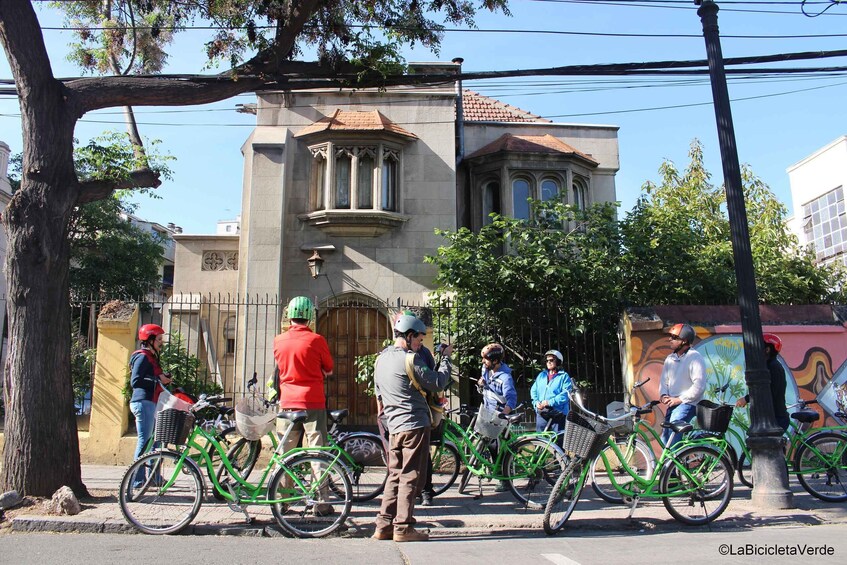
{"x":106,"y":444}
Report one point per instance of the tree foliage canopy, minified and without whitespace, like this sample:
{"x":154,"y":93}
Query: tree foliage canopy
{"x":677,"y":248}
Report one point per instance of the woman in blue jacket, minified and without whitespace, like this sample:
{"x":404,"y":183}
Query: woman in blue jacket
{"x":549,"y":393}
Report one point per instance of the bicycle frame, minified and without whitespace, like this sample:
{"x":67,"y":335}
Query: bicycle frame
{"x":478,"y":461}
{"x":256,"y":493}
{"x":646,"y":486}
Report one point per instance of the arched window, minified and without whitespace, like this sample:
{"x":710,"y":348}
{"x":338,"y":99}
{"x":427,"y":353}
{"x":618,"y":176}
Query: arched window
{"x":365,"y":183}
{"x":318,"y":181}
{"x":549,"y":189}
{"x":490,"y":201}
{"x":520,"y":194}
{"x":343,"y":167}
{"x":579,"y":193}
{"x":229,"y":335}
{"x":389,"y":181}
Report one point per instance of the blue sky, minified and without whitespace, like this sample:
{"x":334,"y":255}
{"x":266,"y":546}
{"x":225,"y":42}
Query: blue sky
{"x":785,"y":119}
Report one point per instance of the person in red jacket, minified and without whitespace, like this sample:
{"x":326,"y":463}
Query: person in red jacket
{"x":304,"y":362}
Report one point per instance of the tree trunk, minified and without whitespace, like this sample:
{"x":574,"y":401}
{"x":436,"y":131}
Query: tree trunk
{"x":41,"y":452}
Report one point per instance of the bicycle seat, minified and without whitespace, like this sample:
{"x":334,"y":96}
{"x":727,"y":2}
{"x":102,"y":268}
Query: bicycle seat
{"x":337,"y":415}
{"x":293,"y":416}
{"x":513,"y":418}
{"x":678,"y":427}
{"x":806,"y":416}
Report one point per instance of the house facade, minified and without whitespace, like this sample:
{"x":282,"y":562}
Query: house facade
{"x":363,"y":179}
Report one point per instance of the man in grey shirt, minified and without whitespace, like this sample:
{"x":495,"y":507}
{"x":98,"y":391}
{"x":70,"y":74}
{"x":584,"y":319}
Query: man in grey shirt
{"x":408,"y":419}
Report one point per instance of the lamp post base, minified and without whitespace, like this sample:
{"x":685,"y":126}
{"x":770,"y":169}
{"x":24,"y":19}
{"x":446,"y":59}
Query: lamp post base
{"x":770,"y":474}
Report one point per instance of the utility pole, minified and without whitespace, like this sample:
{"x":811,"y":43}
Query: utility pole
{"x":770,"y":475}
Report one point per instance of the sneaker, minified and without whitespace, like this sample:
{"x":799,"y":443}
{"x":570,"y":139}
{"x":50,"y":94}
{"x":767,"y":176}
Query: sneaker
{"x":502,"y":486}
{"x":426,"y":498}
{"x":324,"y":509}
{"x":410,"y":534}
{"x":384,"y":533}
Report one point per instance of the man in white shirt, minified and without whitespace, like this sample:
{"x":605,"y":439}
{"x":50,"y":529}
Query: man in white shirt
{"x":683,"y":380}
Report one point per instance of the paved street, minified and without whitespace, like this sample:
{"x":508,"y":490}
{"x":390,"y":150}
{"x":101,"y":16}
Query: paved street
{"x":577,"y":547}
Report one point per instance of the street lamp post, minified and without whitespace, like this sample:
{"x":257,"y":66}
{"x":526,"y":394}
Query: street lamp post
{"x":770,"y":475}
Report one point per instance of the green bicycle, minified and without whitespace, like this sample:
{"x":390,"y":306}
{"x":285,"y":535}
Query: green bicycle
{"x":693,"y":478}
{"x":529,"y":462}
{"x":309,"y":492}
{"x":362,"y":453}
{"x":817,"y":456}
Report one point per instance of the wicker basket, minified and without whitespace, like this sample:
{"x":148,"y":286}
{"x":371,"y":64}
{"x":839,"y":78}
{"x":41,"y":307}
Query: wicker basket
{"x":713,"y":417}
{"x":173,"y":426}
{"x":584,"y":436}
{"x":489,"y":424}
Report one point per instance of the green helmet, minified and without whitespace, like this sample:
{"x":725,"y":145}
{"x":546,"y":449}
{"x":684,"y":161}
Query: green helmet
{"x":302,"y":308}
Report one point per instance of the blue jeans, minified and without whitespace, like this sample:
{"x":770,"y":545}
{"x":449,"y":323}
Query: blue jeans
{"x":145,"y":417}
{"x":677,"y":414}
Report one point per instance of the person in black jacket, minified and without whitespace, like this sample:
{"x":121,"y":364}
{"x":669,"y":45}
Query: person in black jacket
{"x":773,"y":345}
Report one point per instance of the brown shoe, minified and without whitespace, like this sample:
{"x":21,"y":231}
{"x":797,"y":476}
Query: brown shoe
{"x":410,"y":534}
{"x":384,"y":533}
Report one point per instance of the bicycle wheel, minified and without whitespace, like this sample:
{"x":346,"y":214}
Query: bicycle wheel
{"x":638,"y":457}
{"x":532,"y":465}
{"x":445,"y":465}
{"x":317,"y":495}
{"x":821,"y":466}
{"x":369,"y":473}
{"x":697,"y":484}
{"x":563,"y":498}
{"x":745,"y":469}
{"x":153,"y":507}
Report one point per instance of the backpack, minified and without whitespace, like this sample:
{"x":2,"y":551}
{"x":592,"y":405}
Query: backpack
{"x":434,"y":400}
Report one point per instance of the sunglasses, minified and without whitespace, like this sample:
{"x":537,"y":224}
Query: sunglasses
{"x":552,"y":360}
{"x":673,"y":338}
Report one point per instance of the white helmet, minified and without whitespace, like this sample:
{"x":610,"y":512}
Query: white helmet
{"x":557,"y":354}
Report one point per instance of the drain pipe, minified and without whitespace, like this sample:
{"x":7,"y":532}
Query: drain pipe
{"x":463,"y":208}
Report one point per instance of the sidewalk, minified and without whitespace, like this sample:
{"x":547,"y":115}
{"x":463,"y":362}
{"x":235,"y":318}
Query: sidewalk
{"x":451,"y":515}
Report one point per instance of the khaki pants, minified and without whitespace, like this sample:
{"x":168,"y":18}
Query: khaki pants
{"x":314,"y":431}
{"x":407,"y":459}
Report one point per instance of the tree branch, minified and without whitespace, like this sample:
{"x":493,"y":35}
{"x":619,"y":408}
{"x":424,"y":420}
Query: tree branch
{"x":89,"y":191}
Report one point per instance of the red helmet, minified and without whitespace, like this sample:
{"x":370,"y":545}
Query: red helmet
{"x":147,"y":331}
{"x":774,"y":341}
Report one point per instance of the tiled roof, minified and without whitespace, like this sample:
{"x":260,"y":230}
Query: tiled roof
{"x":479,"y":108}
{"x":346,"y":120}
{"x":530,"y":144}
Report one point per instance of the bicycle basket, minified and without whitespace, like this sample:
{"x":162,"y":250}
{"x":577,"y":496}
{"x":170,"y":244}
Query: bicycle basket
{"x":584,"y":436}
{"x":252,"y":418}
{"x":488,"y":422}
{"x":173,"y":426}
{"x":713,"y":417}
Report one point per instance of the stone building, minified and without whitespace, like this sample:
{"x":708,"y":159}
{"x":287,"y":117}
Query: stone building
{"x":361,"y":180}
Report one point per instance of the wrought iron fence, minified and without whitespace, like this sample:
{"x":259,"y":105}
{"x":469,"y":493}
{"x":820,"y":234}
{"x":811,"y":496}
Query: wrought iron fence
{"x":226,"y":340}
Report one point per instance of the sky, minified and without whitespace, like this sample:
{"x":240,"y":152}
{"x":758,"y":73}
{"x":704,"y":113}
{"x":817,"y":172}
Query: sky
{"x":778,"y":120}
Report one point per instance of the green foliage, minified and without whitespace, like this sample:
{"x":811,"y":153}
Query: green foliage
{"x":677,"y":248}
{"x":109,"y":255}
{"x":515,"y":274}
{"x":82,"y":363}
{"x":126,"y":37}
{"x":185,"y":368}
{"x":365,"y":369}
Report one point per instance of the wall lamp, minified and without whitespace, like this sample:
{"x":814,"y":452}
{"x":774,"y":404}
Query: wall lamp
{"x":316,"y":264}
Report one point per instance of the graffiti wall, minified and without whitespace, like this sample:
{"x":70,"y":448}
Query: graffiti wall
{"x":814,"y":353}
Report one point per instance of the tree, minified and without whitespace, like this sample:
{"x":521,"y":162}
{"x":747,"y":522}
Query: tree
{"x":676,"y":244}
{"x":38,"y":393}
{"x":557,"y":270}
{"x":109,"y":255}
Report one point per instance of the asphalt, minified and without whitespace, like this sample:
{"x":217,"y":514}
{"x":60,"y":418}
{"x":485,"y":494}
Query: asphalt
{"x":452,"y":514}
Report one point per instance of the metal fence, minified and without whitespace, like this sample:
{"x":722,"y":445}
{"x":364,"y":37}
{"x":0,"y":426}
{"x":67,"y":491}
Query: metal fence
{"x":229,"y":339}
